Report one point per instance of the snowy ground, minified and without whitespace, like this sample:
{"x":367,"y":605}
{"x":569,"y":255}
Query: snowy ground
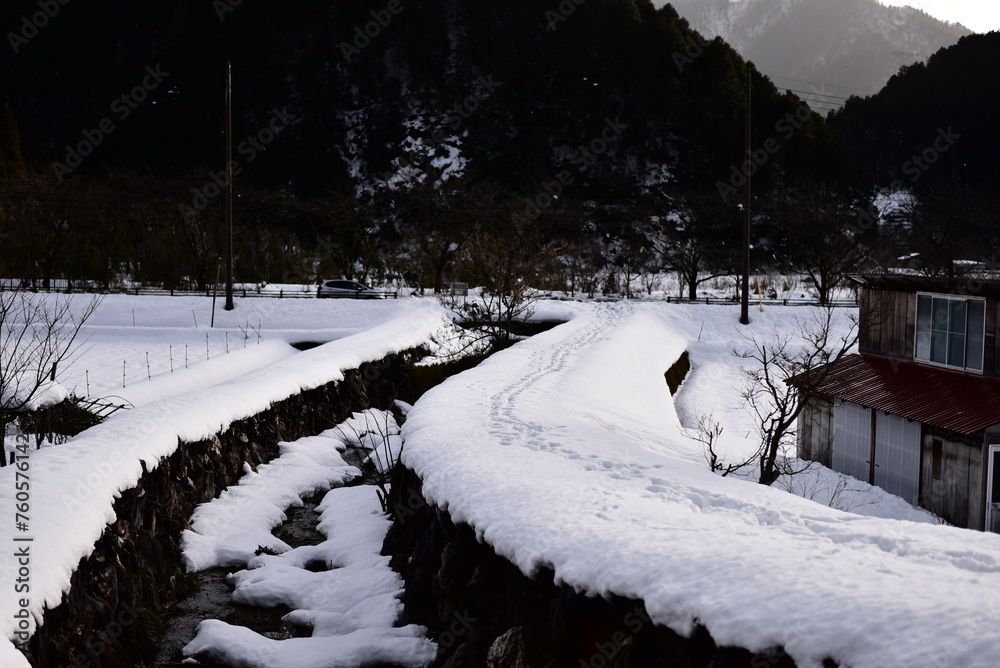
{"x":566,"y":450}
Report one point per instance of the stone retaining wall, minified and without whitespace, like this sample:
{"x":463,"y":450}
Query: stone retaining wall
{"x":484,"y":612}
{"x":113,"y":614}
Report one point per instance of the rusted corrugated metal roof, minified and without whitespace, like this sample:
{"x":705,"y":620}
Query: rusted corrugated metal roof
{"x":966,"y":286}
{"x":962,"y":402}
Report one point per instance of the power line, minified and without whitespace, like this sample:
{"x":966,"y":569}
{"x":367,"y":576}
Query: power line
{"x":818,"y":83}
{"x":806,"y":92}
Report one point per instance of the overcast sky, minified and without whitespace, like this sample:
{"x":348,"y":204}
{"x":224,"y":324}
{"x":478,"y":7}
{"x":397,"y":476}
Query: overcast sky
{"x":977,"y":15}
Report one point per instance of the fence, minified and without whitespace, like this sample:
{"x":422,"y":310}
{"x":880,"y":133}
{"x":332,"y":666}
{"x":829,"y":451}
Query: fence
{"x":718,"y":301}
{"x":310,"y":293}
{"x":839,"y":303}
{"x":242,"y":292}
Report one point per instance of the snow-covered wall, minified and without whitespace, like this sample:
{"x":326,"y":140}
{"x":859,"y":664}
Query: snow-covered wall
{"x":111,"y":613}
{"x":75,"y":487}
{"x":566,"y":453}
{"x":482,"y":610}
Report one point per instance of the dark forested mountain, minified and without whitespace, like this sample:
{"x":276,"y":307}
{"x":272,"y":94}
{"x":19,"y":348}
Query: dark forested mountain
{"x":932,"y":135}
{"x":510,"y":90}
{"x":933,"y":122}
{"x":845,"y":47}
{"x":390,"y":129}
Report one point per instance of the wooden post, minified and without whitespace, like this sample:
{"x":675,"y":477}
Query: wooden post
{"x":216,"y":295}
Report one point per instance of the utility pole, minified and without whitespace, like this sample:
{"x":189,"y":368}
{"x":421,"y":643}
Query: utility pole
{"x":229,"y":187}
{"x":745,"y":301}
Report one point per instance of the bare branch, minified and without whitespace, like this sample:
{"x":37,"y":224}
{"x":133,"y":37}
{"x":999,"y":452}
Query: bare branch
{"x":39,"y":336}
{"x":775,"y":405}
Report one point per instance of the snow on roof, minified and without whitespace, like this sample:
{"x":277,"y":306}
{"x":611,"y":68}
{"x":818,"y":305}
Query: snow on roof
{"x":566,"y":452}
{"x":74,"y":486}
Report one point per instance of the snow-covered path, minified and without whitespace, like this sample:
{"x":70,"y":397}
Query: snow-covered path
{"x":566,"y":451}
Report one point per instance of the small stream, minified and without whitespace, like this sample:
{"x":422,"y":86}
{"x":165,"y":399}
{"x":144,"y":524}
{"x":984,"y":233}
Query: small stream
{"x":212,"y":596}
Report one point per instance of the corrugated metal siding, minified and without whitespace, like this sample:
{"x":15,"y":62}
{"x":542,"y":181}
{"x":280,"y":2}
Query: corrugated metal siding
{"x":897,"y":455}
{"x":962,"y":402}
{"x":852,"y":440}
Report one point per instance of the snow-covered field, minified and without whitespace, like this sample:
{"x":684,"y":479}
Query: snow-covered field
{"x":566,"y":451}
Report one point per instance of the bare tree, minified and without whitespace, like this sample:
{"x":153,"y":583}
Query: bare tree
{"x":700,"y":244}
{"x":634,"y":259}
{"x":37,"y":334}
{"x":502,"y":263}
{"x":583,"y":259}
{"x":433,"y":224}
{"x":773,"y":401}
{"x":948,"y":223}
{"x":828,"y":241}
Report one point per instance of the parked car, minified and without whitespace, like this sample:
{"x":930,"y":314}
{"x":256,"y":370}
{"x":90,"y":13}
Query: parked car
{"x":349,"y":290}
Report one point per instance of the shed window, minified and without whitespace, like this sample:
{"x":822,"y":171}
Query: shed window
{"x":950,"y":331}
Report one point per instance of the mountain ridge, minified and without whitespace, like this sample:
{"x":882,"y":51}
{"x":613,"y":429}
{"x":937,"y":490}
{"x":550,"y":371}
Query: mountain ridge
{"x":824,"y":51}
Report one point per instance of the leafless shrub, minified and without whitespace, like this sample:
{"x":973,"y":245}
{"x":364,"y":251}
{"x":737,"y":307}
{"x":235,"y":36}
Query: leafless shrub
{"x":707,"y":431}
{"x":38,"y":334}
{"x":501,"y":265}
{"x":376,"y":435}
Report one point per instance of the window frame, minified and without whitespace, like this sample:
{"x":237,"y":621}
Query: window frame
{"x":916,"y":331}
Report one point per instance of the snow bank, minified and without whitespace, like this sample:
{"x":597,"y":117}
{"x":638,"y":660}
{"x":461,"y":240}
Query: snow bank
{"x":45,"y":395}
{"x":566,"y":451}
{"x":73,"y":486}
{"x":352,"y":608}
{"x":228,"y":530}
{"x":170,"y":337}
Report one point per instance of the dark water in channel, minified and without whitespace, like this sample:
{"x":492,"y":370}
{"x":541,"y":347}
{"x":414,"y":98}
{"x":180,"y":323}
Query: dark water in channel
{"x":212,"y":598}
